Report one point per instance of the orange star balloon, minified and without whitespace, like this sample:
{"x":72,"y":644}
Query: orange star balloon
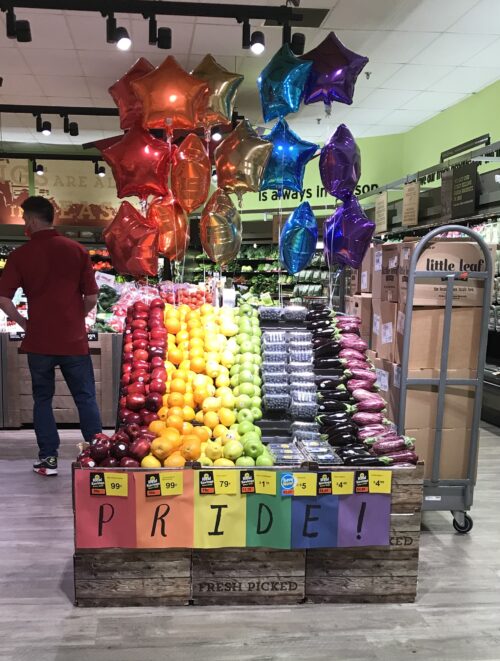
{"x":132,"y":241}
{"x":191,"y":173}
{"x":170,"y":96}
{"x":222,"y":88}
{"x":140,"y":164}
{"x":241,"y":159}
{"x":173,"y":227}
{"x":129,"y":106}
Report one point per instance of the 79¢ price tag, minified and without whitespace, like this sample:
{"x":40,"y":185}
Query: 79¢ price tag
{"x":380,"y":481}
{"x":116,"y":484}
{"x":265,"y":482}
{"x":172,"y":483}
{"x":226,"y":482}
{"x":342,"y":483}
{"x":306,"y":484}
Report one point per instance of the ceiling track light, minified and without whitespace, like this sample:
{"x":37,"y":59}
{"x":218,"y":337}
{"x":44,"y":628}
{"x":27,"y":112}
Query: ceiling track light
{"x":115,"y":34}
{"x":99,"y":170}
{"x":15,"y":29}
{"x":298,"y":43}
{"x":70,"y":127}
{"x":37,"y":168}
{"x":258,"y":43}
{"x":161,"y":37}
{"x":44,"y":127}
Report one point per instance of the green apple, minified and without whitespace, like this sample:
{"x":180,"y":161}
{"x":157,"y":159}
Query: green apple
{"x":234,"y":427}
{"x":246,"y":346}
{"x":246,"y":308}
{"x":257,"y":430}
{"x":257,"y":381}
{"x":247,"y":389}
{"x":257,"y":401}
{"x":254,"y":449}
{"x":257,"y":392}
{"x":244,"y":427}
{"x":233,"y":450}
{"x":256,"y":344}
{"x":235,"y":380}
{"x":245,"y":325}
{"x":245,"y":376}
{"x":243,"y":402}
{"x":257,"y":360}
{"x":243,"y":338}
{"x":243,"y":415}
{"x":264,"y":459}
{"x":248,"y":358}
{"x":251,"y":435}
{"x":245,"y":461}
{"x":236,"y":391}
{"x":234,"y":370}
{"x":256,"y":412}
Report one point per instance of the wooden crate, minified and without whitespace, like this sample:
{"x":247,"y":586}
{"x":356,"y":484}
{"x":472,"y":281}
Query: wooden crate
{"x":374,"y":574}
{"x":120,"y":577}
{"x":248,"y":576}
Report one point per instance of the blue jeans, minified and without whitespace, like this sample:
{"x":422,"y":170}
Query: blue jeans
{"x":79,"y":376}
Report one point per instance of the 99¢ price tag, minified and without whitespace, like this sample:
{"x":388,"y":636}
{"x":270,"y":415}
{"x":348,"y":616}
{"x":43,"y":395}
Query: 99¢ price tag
{"x":226,"y":482}
{"x":265,"y":482}
{"x":306,"y":484}
{"x":342,"y":483}
{"x":172,"y":483}
{"x":380,"y":481}
{"x":116,"y":484}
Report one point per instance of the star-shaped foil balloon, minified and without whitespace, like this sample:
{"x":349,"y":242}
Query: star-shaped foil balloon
{"x":290,"y":155}
{"x":340,"y":163}
{"x":334,"y":71}
{"x":140,"y":164}
{"x":170,"y":96}
{"x":347,"y":235}
{"x":240,"y":160}
{"x":132,"y":241}
{"x":281,"y":84}
{"x":220,"y":228}
{"x":222,"y":88}
{"x":298,"y":239}
{"x":129,"y":106}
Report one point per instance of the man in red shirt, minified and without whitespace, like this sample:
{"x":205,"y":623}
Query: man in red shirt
{"x":57,"y":277}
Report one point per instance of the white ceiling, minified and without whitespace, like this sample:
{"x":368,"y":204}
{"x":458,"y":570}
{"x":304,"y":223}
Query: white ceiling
{"x":425,"y":55}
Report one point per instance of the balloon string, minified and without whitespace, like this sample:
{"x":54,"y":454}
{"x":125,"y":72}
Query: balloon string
{"x":280,"y":224}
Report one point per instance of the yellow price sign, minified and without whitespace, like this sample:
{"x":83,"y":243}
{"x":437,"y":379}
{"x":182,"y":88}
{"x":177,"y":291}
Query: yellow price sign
{"x":342,"y":483}
{"x":226,"y":482}
{"x":172,"y":483}
{"x":380,"y":481}
{"x":265,"y":482}
{"x":116,"y":484}
{"x":306,"y":484}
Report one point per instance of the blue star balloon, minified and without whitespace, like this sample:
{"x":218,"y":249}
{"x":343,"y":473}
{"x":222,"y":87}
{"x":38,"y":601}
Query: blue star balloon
{"x":298,"y":239}
{"x":290,"y":155}
{"x":281,"y":84}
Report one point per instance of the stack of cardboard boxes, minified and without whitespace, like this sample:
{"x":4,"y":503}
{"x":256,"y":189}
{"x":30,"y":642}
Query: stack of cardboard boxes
{"x":389,"y":279}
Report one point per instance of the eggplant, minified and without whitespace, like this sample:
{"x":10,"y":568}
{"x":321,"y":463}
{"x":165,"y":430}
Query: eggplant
{"x":332,"y":407}
{"x":403,"y":456}
{"x":352,"y":353}
{"x":341,"y":319}
{"x":340,"y":441}
{"x":391,"y":446}
{"x":356,"y":384}
{"x":328,"y":419}
{"x":320,"y":341}
{"x":361,"y":393}
{"x":337,"y":430}
{"x":330,"y":382}
{"x":319,"y":324}
{"x":363,"y":374}
{"x":351,"y":341}
{"x":370,"y":406}
{"x":349,"y":328}
{"x":315,"y":315}
{"x":327,"y":349}
{"x":371,"y":431}
{"x":358,"y":364}
{"x":326,"y":363}
{"x":324,"y":332}
{"x":364,"y":461}
{"x":353,"y":452}
{"x":363,"y":419}
{"x":334,"y":395}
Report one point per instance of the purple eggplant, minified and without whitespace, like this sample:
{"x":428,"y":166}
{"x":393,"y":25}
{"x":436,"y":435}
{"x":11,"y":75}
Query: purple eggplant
{"x":357,"y":364}
{"x":362,"y":374}
{"x":370,"y":431}
{"x":333,"y":418}
{"x":403,"y":456}
{"x":370,"y":406}
{"x":352,"y":353}
{"x":339,"y":441}
{"x":364,"y":419}
{"x":356,"y":384}
{"x":334,"y":396}
{"x":327,"y":350}
{"x":395,"y":445}
{"x":333,"y":407}
{"x":365,"y":393}
{"x":329,"y":383}
{"x":337,"y":430}
{"x":326,"y":363}
{"x":351,"y":341}
{"x":349,"y":328}
{"x":364,"y":461}
{"x":340,"y":320}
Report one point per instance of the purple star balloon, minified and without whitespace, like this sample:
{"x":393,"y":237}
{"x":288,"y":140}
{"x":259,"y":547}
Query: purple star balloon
{"x":340,"y":163}
{"x":347,"y":235}
{"x":334,"y":72}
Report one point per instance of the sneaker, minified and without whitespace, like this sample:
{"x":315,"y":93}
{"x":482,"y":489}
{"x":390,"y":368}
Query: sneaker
{"x":47,"y":466}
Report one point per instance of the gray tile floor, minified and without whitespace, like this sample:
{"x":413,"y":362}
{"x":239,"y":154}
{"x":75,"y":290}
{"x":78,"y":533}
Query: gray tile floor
{"x":456,"y":616}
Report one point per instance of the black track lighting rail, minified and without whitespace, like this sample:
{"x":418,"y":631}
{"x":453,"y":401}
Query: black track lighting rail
{"x":147,"y":8}
{"x":59,"y":110}
{"x":42,"y":156}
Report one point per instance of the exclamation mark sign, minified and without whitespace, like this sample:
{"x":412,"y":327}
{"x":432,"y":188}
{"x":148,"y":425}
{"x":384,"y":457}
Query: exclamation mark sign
{"x":360,"y":519}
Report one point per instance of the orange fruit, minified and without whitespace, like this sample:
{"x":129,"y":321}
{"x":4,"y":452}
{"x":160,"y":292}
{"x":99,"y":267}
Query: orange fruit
{"x":178,"y":385}
{"x":198,"y":365}
{"x":188,"y":413}
{"x":191,"y":449}
{"x":173,"y":325}
{"x":163,"y":412}
{"x":196,"y":342}
{"x":199,"y":416}
{"x":175,"y":421}
{"x":175,"y":460}
{"x":157,"y":426}
{"x":203,"y":433}
{"x":171,"y":434}
{"x":175,"y":355}
{"x":176,"y":399}
{"x":211,"y":419}
{"x":182,"y":336}
{"x":187,"y":428}
{"x":162,"y":447}
{"x":196,"y":332}
{"x":196,"y":352}
{"x":189,"y":399}
{"x":176,"y":410}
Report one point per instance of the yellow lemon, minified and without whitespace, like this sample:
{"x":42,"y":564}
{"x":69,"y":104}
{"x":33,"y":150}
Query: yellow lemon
{"x":227,"y":417}
{"x":199,"y":416}
{"x":211,"y":404}
{"x":227,"y":401}
{"x":222,"y":380}
{"x":211,"y":419}
{"x":219,"y":430}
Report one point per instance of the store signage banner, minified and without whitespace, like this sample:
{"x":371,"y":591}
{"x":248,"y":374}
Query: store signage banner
{"x":179,"y":509}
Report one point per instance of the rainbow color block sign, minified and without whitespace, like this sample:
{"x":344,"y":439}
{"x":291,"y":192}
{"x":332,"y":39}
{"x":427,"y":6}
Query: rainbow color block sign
{"x":231,"y":508}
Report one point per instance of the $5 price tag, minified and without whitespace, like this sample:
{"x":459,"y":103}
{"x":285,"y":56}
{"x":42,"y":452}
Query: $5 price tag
{"x":226,"y":482}
{"x":172,"y":483}
{"x":116,"y":484}
{"x":342,"y":483}
{"x":306,"y":484}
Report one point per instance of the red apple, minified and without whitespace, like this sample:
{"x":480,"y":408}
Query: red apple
{"x":128,"y":347}
{"x":87,"y":462}
{"x":133,"y":430}
{"x":149,"y":417}
{"x":123,"y":401}
{"x":140,"y":448}
{"x":128,"y":462}
{"x":156,"y":351}
{"x":120,"y":435}
{"x":139,"y":323}
{"x":154,"y":401}
{"x":120,"y":450}
{"x":157,"y":385}
{"x":83,"y":453}
{"x":126,"y":368}
{"x":159,"y":373}
{"x":140,"y":305}
{"x":140,"y":334}
{"x":137,"y":386}
{"x":145,"y":433}
{"x":140,"y":344}
{"x":135,"y":401}
{"x":141,"y":365}
{"x":126,"y":379}
{"x":99,"y":437}
{"x":109,"y":462}
{"x":100,"y":449}
{"x":140,"y":375}
{"x":157,"y":303}
{"x":127,"y":357}
{"x":155,"y":323}
{"x":140,"y":354}
{"x":158,"y":333}
{"x":157,"y":362}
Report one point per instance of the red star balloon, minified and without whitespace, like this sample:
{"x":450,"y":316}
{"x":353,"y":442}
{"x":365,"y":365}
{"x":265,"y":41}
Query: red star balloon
{"x":140,"y":164}
{"x":173,"y":227}
{"x":129,"y":106}
{"x":170,"y":96}
{"x":132,"y":241}
{"x":191,"y":173}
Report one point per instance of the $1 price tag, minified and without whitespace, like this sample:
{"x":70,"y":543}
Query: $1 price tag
{"x":226,"y":482}
{"x":306,"y":484}
{"x":380,"y":481}
{"x":116,"y":484}
{"x":265,"y":482}
{"x":342,"y":484}
{"x":172,"y":483}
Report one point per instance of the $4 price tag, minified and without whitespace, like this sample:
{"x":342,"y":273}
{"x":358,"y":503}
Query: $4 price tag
{"x":116,"y":484}
{"x":342,"y":483}
{"x":172,"y":483}
{"x":306,"y":484}
{"x":380,"y":481}
{"x":226,"y":482}
{"x":265,"y":482}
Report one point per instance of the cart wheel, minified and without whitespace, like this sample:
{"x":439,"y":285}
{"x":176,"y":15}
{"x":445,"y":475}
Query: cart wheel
{"x":467,"y":527}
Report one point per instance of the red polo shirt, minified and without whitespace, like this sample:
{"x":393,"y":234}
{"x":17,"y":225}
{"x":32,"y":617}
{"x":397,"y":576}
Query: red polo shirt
{"x":55,"y":273}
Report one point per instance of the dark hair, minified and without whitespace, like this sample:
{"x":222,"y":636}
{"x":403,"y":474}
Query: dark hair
{"x":39,"y":206}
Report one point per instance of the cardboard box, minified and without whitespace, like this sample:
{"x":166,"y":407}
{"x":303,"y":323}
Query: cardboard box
{"x":385,"y":272}
{"x":354,"y":282}
{"x":460,"y":256}
{"x":455,"y":444}
{"x":361,"y":306}
{"x":426,"y":338}
{"x":384,"y":328}
{"x":367,"y":272}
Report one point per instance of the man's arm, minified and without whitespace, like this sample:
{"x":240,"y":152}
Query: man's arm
{"x":89,"y":303}
{"x":10,"y":310}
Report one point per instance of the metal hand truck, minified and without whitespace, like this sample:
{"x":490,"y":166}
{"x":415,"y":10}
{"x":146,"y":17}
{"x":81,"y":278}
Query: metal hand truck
{"x":448,"y":495}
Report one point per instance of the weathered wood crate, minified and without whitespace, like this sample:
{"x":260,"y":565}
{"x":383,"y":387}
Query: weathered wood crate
{"x":17,"y":397}
{"x":374,"y":574}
